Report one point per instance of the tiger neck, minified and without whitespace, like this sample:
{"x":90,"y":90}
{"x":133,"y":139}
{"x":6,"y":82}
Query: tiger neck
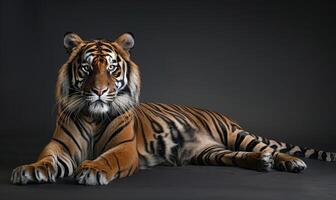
{"x":96,"y":124}
{"x":93,"y":126}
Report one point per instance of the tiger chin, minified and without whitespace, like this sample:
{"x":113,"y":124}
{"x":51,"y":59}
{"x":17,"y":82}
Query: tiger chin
{"x":103,"y":133}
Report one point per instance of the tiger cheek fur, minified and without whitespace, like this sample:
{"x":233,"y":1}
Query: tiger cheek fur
{"x":103,"y":133}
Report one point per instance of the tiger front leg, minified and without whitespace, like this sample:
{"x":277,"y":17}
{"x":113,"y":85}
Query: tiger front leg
{"x":52,"y":163}
{"x":117,"y":162}
{"x":58,"y":159}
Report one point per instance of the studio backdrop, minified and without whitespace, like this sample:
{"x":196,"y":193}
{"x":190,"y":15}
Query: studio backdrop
{"x":269,"y":65}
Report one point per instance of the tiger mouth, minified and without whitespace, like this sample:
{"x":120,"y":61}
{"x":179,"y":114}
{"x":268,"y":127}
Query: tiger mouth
{"x":99,"y":106}
{"x":99,"y":102}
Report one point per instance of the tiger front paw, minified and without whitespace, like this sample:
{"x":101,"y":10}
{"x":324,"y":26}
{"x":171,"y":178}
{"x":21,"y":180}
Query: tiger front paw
{"x":90,"y":173}
{"x":39,"y":172}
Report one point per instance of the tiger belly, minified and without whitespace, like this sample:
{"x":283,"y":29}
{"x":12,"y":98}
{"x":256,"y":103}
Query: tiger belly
{"x":165,"y":151}
{"x":166,"y":136}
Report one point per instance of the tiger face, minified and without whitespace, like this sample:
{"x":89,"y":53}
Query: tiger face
{"x":99,"y":78}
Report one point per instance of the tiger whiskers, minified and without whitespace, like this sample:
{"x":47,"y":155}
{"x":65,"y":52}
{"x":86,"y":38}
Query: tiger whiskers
{"x":121,"y":105}
{"x":69,"y":106}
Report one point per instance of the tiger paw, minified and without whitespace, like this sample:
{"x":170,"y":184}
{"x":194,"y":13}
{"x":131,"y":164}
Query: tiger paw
{"x":39,"y":172}
{"x":89,"y":173}
{"x":284,"y":162}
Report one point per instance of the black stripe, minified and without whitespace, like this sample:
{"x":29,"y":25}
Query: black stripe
{"x":239,"y":139}
{"x":125,"y":141}
{"x":102,"y":128}
{"x":63,"y":145}
{"x":215,"y":122}
{"x":324,"y":156}
{"x":115,"y":133}
{"x":250,"y":146}
{"x":203,"y":121}
{"x":156,"y":126}
{"x":80,"y":129}
{"x":106,"y":161}
{"x":65,"y":166}
{"x":277,"y":142}
{"x":314,"y":155}
{"x":273,"y":152}
{"x":182,"y":109}
{"x":67,"y":132}
{"x":118,"y":165}
{"x":179,"y":117}
{"x":221,"y":130}
{"x":99,"y":134}
{"x":234,"y":157}
{"x":143,"y":158}
{"x":213,"y":152}
{"x":265,"y":140}
{"x":283,"y":150}
{"x":224,"y":129}
{"x":161,"y":146}
{"x":129,"y":171}
{"x":262,"y":148}
{"x":176,"y":134}
{"x":143,"y":136}
{"x":299,"y":153}
{"x":59,"y":170}
{"x":199,"y":159}
{"x":151,"y":146}
{"x":218,"y":158}
{"x":98,"y":175}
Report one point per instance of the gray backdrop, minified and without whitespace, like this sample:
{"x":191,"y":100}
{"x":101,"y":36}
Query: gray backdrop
{"x":268,"y":65}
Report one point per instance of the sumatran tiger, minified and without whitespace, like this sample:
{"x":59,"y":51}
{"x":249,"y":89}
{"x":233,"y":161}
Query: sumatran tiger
{"x":103,"y":132}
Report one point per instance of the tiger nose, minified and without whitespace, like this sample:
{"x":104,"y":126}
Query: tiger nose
{"x":99,"y":91}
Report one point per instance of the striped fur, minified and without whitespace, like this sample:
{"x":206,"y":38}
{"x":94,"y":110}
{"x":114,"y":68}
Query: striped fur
{"x":103,"y":132}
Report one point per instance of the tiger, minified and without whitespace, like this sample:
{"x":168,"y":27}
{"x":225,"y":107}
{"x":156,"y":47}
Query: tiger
{"x":103,"y":132}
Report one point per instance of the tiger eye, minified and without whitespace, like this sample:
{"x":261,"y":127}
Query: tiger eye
{"x":85,"y":68}
{"x":110,"y":68}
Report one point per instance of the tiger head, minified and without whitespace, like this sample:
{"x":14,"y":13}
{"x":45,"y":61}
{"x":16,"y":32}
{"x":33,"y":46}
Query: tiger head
{"x":99,"y":76}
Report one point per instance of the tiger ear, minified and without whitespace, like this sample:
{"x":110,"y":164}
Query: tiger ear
{"x":71,"y":41}
{"x":126,"y":41}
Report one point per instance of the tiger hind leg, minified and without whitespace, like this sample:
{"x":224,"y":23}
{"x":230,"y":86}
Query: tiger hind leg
{"x":218,"y":155}
{"x":243,"y":141}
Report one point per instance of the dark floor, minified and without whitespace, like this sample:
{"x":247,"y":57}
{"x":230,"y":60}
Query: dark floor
{"x":191,"y":182}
